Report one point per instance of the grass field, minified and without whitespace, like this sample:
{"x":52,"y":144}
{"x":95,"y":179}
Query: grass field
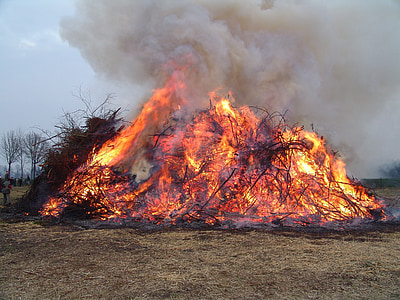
{"x":38,"y":261}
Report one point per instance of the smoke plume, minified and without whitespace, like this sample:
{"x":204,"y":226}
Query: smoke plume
{"x":334,"y":64}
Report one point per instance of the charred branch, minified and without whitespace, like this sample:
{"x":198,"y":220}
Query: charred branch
{"x":209,"y":169}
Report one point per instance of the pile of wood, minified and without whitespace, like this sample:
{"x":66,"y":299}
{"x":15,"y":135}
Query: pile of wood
{"x":72,"y":148}
{"x":252,"y":184}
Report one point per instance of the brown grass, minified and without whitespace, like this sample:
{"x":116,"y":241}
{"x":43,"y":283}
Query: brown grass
{"x":65,"y":262}
{"x":16,"y":193}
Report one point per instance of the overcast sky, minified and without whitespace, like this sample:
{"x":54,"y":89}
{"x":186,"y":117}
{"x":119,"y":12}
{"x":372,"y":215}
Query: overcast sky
{"x":40,"y":73}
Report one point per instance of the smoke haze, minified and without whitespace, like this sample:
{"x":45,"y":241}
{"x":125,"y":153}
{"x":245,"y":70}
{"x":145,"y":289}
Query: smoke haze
{"x":335,"y":64}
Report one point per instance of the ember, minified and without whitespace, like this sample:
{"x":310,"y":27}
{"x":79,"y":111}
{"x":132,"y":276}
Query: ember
{"x":222,"y":166}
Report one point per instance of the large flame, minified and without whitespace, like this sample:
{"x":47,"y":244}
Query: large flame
{"x":223,"y":165}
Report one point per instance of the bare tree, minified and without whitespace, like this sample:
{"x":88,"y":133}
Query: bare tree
{"x":21,"y":150}
{"x":10,"y":146}
{"x":36,"y":148}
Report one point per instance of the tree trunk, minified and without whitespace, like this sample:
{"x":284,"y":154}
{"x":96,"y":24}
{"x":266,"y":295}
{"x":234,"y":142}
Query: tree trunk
{"x":22,"y":167}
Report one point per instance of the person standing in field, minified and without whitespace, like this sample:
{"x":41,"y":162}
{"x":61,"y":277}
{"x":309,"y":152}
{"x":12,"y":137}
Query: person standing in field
{"x":6,"y":190}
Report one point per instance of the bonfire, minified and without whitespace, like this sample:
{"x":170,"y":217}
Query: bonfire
{"x":222,"y":166}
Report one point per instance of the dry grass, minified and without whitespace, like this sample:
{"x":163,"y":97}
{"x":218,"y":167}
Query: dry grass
{"x":16,"y":193}
{"x":66,"y":262}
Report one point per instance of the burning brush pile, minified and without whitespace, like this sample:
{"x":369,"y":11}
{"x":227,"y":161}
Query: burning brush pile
{"x":222,"y":166}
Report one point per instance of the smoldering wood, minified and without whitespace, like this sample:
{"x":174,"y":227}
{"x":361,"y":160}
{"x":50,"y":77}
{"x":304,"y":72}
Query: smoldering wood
{"x":72,"y":148}
{"x":99,"y":204}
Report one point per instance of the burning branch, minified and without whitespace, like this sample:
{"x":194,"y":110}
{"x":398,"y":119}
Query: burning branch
{"x":223,"y":166}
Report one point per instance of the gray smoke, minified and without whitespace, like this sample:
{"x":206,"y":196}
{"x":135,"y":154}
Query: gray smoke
{"x":333,"y":63}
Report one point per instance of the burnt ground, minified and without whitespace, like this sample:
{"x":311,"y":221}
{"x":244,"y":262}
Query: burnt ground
{"x":41,"y":261}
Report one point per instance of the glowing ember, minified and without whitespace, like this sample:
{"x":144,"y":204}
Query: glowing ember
{"x":225,"y":166}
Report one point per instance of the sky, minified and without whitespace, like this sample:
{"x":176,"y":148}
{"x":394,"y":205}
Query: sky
{"x":40,"y":74}
{"x":331,"y":63}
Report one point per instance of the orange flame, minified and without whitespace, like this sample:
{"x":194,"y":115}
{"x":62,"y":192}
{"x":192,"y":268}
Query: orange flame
{"x":225,"y":165}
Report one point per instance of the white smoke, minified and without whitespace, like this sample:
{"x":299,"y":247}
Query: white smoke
{"x":333,"y":63}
